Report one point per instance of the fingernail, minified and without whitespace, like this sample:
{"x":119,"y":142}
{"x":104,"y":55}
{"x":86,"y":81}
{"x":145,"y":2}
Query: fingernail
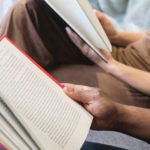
{"x":68,"y":89}
{"x":94,"y":10}
{"x":68,"y":30}
{"x":65,"y":89}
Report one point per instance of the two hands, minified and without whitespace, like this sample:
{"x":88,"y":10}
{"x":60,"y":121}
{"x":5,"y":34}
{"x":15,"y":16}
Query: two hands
{"x":95,"y":101}
{"x":109,"y":115}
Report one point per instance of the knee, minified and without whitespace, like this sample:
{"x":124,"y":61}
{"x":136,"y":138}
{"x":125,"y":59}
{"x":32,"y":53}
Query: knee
{"x":17,"y":16}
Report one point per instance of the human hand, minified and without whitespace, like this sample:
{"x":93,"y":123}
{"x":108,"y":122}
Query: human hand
{"x":117,"y":38}
{"x":88,"y":52}
{"x":107,"y":25}
{"x":104,"y":110}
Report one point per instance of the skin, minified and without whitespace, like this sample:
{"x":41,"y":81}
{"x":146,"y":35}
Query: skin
{"x":117,"y":38}
{"x":134,"y":77}
{"x":109,"y":115}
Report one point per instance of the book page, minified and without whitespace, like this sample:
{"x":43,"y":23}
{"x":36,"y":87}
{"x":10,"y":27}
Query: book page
{"x":78,"y":18}
{"x":55,"y":121}
{"x":5,"y":140}
{"x":11,"y":134}
{"x":86,"y":7}
{"x":16,"y":126}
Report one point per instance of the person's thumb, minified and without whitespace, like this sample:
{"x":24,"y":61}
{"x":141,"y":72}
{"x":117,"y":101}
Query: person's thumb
{"x":100,"y":15}
{"x":82,"y":94}
{"x":106,"y":54}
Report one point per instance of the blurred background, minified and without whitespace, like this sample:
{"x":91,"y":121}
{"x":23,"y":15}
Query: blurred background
{"x":127,"y":15}
{"x":4,"y":7}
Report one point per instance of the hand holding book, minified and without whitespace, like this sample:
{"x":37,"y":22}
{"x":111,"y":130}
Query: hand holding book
{"x":108,"y":27}
{"x":88,"y":52}
{"x":112,"y":34}
{"x":83,"y":21}
{"x":49,"y":118}
{"x":117,"y":38}
{"x":104,"y":110}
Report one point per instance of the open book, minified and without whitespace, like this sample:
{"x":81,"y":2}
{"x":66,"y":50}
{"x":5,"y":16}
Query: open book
{"x":79,"y":15}
{"x":35,"y":113}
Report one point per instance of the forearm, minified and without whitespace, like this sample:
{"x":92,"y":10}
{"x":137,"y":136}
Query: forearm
{"x":133,"y":121}
{"x":134,"y":77}
{"x":125,"y":38}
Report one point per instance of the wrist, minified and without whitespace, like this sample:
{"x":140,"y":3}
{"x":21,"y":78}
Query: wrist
{"x":125,"y":120}
{"x":113,"y":67}
{"x":125,"y":38}
{"x":117,"y":69}
{"x":133,"y":121}
{"x":121,"y":116}
{"x":117,"y":39}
